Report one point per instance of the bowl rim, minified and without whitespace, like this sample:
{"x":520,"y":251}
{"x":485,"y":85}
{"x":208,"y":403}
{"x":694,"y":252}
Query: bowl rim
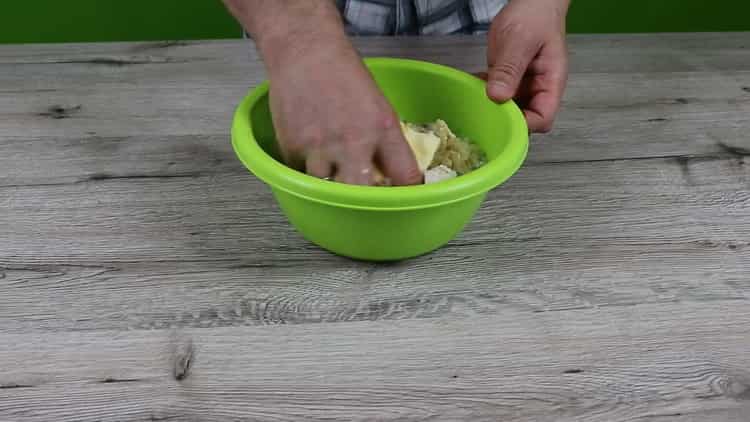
{"x":478,"y":182}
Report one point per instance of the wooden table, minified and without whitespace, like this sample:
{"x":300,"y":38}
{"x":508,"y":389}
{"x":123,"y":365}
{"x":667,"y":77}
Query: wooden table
{"x":145,"y":275}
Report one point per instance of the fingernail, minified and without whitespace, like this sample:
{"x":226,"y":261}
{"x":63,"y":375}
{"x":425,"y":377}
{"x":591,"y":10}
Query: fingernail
{"x":497,"y":90}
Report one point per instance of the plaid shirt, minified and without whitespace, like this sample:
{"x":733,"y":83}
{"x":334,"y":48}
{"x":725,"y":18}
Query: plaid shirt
{"x":416,"y":17}
{"x":394,"y":17}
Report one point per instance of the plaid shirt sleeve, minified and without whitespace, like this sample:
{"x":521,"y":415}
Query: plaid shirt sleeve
{"x":391,"y":17}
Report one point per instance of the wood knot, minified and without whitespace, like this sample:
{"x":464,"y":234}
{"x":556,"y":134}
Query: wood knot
{"x":184,"y":357}
{"x":99,"y":176}
{"x":734,"y":385}
{"x":159,"y":45}
{"x":736,"y":389}
{"x":734,"y":150}
{"x":110,"y":380}
{"x":60,"y":112}
{"x":13,"y":385}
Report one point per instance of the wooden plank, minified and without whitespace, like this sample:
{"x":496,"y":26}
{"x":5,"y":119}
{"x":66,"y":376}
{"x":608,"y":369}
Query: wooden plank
{"x":605,"y":116}
{"x":514,"y":366}
{"x":59,"y":161}
{"x":230,"y":217}
{"x":608,"y":113}
{"x":198,"y":252}
{"x":161,"y":143}
{"x":460,"y":282}
{"x":606,"y":281}
{"x":610,"y":53}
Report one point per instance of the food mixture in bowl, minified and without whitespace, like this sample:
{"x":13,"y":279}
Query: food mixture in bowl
{"x":440,"y":154}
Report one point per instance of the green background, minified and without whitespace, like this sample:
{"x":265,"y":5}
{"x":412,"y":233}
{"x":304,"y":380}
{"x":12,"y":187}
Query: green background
{"x":23,"y":21}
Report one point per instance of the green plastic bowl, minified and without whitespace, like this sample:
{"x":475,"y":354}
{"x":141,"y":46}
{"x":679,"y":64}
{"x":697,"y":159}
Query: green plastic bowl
{"x":391,"y":223}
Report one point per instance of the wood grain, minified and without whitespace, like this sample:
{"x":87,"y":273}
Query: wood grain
{"x":146,"y":275}
{"x":605,"y":116}
{"x":192,"y":252}
{"x":232,"y":217}
{"x":603,"y":53}
{"x":479,"y":368}
{"x":621,"y":96}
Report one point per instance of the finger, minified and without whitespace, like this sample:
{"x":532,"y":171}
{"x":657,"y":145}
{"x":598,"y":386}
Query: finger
{"x":356,"y":173}
{"x":292,"y":154}
{"x":536,"y":122}
{"x":294,"y":160}
{"x":317,"y":165}
{"x":541,"y":110}
{"x":396,"y":159}
{"x":481,"y":75}
{"x":508,"y":61}
{"x":544,"y":92}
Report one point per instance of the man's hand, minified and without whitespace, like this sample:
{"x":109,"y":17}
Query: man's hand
{"x":331,"y":119}
{"x":527,"y":58}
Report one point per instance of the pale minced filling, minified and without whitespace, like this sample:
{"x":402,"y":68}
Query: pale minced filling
{"x":440,"y":154}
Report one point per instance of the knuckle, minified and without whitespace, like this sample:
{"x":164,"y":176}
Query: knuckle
{"x":352,"y":138}
{"x":506,"y":70}
{"x":310,"y":142}
{"x":354,"y":141}
{"x":311,"y":137}
{"x":386,"y":120}
{"x":513,"y":28}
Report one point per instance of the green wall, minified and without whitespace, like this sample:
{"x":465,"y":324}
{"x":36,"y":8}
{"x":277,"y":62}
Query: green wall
{"x":114,"y":20}
{"x":132,"y":20}
{"x":602,"y":16}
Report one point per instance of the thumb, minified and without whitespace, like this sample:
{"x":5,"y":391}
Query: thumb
{"x":397,"y":159}
{"x":508,"y":63}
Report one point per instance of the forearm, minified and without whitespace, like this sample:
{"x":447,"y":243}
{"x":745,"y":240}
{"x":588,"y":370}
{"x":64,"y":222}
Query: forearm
{"x":285,"y":28}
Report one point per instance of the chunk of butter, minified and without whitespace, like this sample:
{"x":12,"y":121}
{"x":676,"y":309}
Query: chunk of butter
{"x":438,"y":174}
{"x":423,"y":145}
